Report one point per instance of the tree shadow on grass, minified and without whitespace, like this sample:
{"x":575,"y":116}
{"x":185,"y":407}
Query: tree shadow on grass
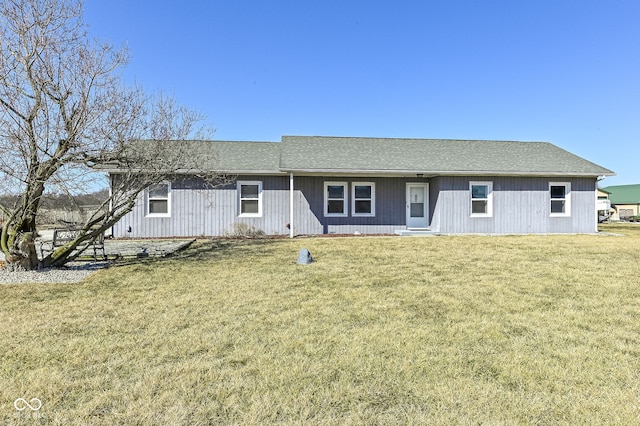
{"x":205,"y":250}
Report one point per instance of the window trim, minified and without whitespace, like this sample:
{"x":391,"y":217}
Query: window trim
{"x":239,"y":185}
{"x":148,"y":199}
{"x":372,"y":213}
{"x":489,"y":199}
{"x":345,"y":199}
{"x":567,"y":199}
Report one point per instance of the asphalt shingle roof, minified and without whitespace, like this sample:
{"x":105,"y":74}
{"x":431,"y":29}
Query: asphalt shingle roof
{"x":321,"y":154}
{"x":437,"y":156}
{"x":221,"y":156}
{"x":238,"y":157}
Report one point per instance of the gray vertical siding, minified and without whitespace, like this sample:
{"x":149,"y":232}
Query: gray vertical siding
{"x":200,"y":211}
{"x":390,"y":213}
{"x":521,"y":205}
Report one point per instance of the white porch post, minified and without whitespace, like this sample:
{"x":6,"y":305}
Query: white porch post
{"x":291,"y":205}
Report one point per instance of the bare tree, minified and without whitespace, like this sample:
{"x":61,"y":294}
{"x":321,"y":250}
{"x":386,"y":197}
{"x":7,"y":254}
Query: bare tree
{"x":64,"y":112}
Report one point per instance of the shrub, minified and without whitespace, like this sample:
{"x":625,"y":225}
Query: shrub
{"x":244,"y":230}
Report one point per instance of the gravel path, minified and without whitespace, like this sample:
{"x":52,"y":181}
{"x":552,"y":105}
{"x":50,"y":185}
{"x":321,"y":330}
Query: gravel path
{"x":71,"y":274}
{"x":77,"y":271}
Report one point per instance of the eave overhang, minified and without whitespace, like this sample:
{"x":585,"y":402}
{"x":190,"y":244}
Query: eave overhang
{"x":434,"y":173}
{"x":365,"y":172}
{"x":199,"y":172}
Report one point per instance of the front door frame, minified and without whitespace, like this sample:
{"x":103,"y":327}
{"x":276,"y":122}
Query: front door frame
{"x":417,"y":222}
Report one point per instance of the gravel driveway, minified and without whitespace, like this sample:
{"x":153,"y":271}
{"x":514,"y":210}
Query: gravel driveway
{"x":77,"y":271}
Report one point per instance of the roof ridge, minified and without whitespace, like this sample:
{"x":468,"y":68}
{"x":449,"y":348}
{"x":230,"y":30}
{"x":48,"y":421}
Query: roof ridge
{"x":410,"y":138}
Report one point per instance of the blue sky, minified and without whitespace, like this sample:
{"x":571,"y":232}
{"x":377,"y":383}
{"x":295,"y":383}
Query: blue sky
{"x":562,"y":71}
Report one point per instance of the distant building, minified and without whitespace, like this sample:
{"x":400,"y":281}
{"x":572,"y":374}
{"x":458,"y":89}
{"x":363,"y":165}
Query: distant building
{"x":625,"y":199}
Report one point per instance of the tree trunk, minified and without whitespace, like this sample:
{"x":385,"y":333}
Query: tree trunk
{"x":18,"y":239}
{"x":19,"y":245}
{"x":25,"y":255}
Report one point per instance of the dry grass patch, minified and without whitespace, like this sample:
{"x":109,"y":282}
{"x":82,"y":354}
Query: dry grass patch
{"x":447,"y":330}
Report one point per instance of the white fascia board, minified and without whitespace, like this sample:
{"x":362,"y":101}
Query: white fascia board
{"x":194,"y":172}
{"x":372,"y":173}
{"x":432,"y":173}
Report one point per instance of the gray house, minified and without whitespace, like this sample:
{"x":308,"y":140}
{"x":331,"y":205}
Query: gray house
{"x":344,"y":185}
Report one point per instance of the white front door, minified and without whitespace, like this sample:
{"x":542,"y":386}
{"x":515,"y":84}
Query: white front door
{"x":417,"y":205}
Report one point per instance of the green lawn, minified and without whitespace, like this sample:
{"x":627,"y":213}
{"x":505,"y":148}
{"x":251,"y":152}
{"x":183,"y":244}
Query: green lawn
{"x":444,"y":330}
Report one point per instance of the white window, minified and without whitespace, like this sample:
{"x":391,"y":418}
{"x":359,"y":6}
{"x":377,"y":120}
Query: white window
{"x":335,"y":199}
{"x":158,"y":199}
{"x":363,"y":199}
{"x":250,"y":198}
{"x":481,"y":198}
{"x":560,"y":197}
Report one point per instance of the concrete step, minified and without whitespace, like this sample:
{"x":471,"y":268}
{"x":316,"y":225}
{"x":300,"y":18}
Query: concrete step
{"x":416,"y":233}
